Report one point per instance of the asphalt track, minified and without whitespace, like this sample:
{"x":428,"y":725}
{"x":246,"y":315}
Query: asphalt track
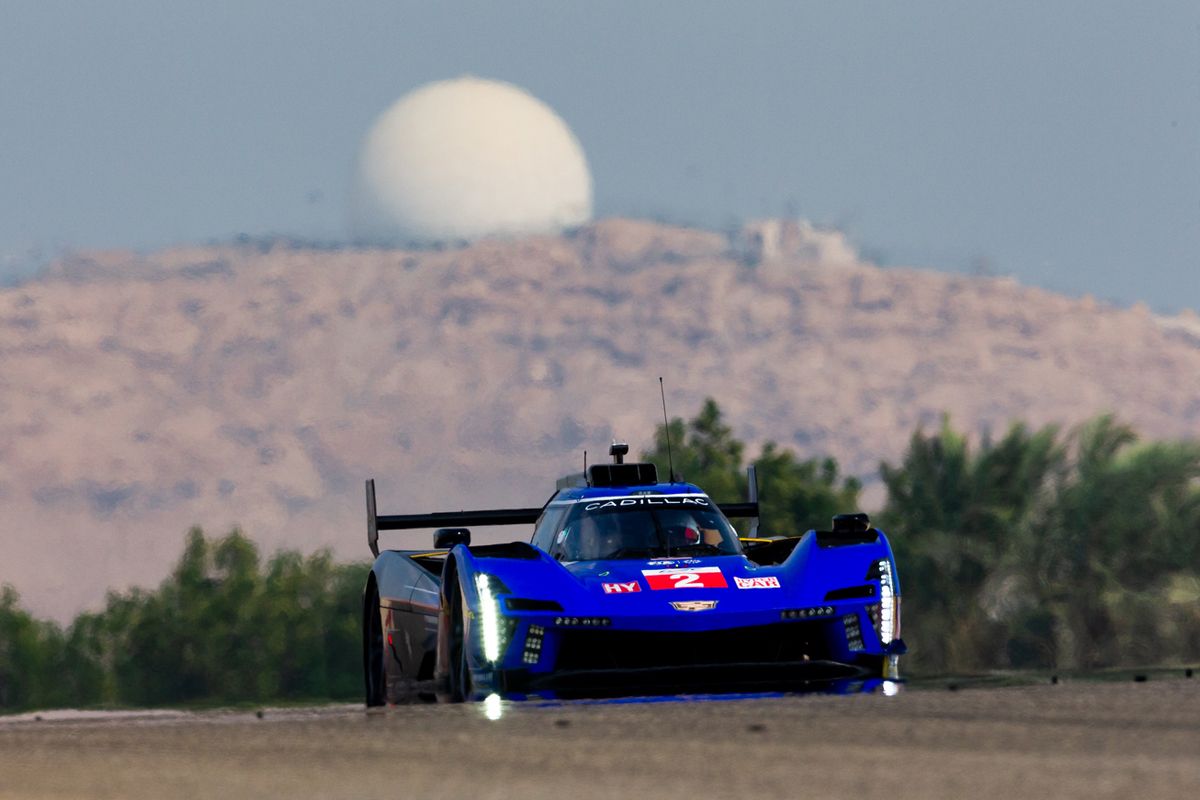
{"x":1070,"y":740}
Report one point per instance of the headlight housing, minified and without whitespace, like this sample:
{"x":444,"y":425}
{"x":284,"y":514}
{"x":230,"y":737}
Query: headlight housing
{"x":886,"y":613}
{"x":488,"y":587}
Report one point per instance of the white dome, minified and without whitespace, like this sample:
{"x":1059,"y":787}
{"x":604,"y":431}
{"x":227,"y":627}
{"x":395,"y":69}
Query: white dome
{"x":461,"y":159}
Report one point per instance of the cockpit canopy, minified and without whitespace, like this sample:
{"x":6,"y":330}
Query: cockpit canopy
{"x":640,"y":527}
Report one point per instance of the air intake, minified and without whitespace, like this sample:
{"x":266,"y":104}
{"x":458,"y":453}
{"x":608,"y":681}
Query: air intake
{"x":622,"y":475}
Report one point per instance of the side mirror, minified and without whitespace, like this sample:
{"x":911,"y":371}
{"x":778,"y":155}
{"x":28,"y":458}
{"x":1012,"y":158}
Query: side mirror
{"x":848,"y":529}
{"x":851,"y":523}
{"x":445,"y":538}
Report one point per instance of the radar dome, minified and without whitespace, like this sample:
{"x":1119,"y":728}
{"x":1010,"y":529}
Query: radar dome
{"x":461,"y":159}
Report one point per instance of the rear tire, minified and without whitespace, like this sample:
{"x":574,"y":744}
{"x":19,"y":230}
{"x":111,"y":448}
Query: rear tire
{"x":374,"y":678}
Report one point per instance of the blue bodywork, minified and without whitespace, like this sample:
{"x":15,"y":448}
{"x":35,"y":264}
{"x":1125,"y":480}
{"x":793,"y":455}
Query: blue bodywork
{"x":514,"y":619}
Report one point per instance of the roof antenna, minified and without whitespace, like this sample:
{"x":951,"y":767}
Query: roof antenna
{"x":666,"y":428}
{"x":585,"y":462}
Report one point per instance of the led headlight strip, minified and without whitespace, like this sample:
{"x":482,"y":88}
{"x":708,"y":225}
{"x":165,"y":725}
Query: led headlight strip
{"x":583,"y":622}
{"x":807,"y":613}
{"x":489,"y":617}
{"x":887,"y":603}
{"x":533,"y":644}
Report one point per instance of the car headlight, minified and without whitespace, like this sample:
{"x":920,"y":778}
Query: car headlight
{"x":888,"y":621}
{"x":489,"y":614}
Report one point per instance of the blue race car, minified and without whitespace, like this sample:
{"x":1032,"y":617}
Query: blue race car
{"x":629,"y":585}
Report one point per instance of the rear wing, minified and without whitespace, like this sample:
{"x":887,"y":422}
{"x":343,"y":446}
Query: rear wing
{"x":508,"y":516}
{"x":440,"y":519}
{"x":749,"y":509}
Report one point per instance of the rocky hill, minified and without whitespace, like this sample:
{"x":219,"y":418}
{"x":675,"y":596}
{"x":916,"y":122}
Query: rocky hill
{"x":258,"y":385}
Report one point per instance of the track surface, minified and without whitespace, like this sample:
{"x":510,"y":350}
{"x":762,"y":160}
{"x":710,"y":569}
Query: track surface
{"x":1073,"y":740}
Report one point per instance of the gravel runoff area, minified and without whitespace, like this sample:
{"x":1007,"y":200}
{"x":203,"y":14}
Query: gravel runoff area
{"x":1073,"y":739}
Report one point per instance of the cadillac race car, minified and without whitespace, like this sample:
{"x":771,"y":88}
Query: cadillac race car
{"x":628,"y":585}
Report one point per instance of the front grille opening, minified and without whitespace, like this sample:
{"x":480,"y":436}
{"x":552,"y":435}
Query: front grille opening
{"x":763,"y":644}
{"x":527,"y":604}
{"x":851,"y":593}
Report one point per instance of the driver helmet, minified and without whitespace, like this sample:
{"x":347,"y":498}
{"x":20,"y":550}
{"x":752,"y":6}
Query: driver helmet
{"x":683,"y":529}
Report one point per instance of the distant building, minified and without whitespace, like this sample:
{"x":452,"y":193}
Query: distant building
{"x":770,"y":240}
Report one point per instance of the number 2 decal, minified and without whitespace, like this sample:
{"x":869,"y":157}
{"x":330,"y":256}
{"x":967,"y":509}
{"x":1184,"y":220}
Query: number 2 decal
{"x":685,"y":578}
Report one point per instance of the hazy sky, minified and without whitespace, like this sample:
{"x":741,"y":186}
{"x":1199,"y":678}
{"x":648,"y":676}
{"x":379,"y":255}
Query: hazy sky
{"x":1060,"y":141}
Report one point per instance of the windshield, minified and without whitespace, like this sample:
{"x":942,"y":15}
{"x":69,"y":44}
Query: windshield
{"x":644,"y":527}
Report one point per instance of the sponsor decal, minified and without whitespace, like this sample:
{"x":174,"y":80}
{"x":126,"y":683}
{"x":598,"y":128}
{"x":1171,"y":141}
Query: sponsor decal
{"x":685,"y":578}
{"x":672,"y":562}
{"x":694,"y":605}
{"x":766,"y":582}
{"x":621,"y":588}
{"x":657,"y":500}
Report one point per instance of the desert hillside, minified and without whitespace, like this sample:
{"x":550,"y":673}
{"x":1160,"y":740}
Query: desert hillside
{"x":258,"y":385}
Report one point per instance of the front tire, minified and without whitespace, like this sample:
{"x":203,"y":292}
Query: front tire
{"x":461,"y":687}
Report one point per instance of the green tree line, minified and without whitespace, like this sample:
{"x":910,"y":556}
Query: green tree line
{"x":1048,"y":548}
{"x":1076,"y":549}
{"x":224,"y":627}
{"x":1073,"y":549}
